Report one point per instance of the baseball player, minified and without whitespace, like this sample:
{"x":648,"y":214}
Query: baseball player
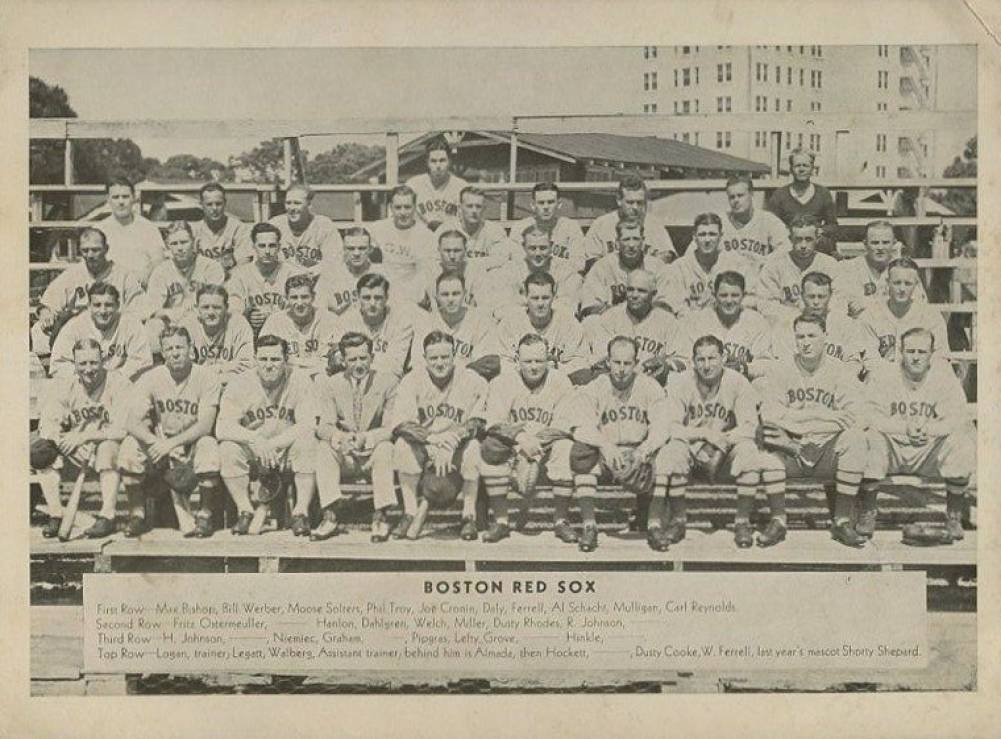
{"x":652,"y":328}
{"x":524,"y":405}
{"x":887,"y":319}
{"x":337,"y":286}
{"x":174,"y":411}
{"x":864,"y":278}
{"x":564,"y":233}
{"x":407,"y":246}
{"x":452,"y":260}
{"x":436,"y":418}
{"x":220,"y":341}
{"x":782,"y":273}
{"x":84,"y":416}
{"x":390,"y":327}
{"x":123,"y":342}
{"x":809,"y":413}
{"x":134,"y":243}
{"x":609,"y":424}
{"x":309,"y":240}
{"x":919,"y":423}
{"x":257,"y":290}
{"x":632,"y":201}
{"x":605,"y":284}
{"x":751,"y":233}
{"x":745,"y":334}
{"x":266,"y":424}
{"x":801,"y":196}
{"x":564,"y":337}
{"x":219,"y":236}
{"x":308,"y":333}
{"x":487,"y":244}
{"x":438,"y":190}
{"x":354,"y":435}
{"x":66,"y":296}
{"x":689,"y":281}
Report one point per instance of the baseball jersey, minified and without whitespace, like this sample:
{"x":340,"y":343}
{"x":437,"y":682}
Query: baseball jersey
{"x":67,"y":293}
{"x":475,"y":336}
{"x":435,"y":408}
{"x":488,"y":247}
{"x":833,"y":386}
{"x":137,"y":247}
{"x":124,"y":345}
{"x":308,"y":344}
{"x":337,"y":287}
{"x":507,"y":284}
{"x":879,"y":322}
{"x":620,"y":416}
{"x":511,"y":401}
{"x":731,"y":406}
{"x":847,"y":341}
{"x":568,"y":349}
{"x":69,"y":406}
{"x":229,"y":352}
{"x":434,"y":205}
{"x":405,"y":252}
{"x":687,"y":285}
{"x":781,"y":278}
{"x":390,"y":340}
{"x":319,"y":244}
{"x":172,"y":406}
{"x":656,"y":334}
{"x":227,"y":246}
{"x":355,"y":406}
{"x":855,"y":280}
{"x":269,"y":413}
{"x":257,"y":291}
{"x":747,"y":339}
{"x":477,"y":285}
{"x":566,"y":235}
{"x":606,"y":281}
{"x":601,"y":238}
{"x":176,"y":291}
{"x":938,"y":397}
{"x":756,"y":239}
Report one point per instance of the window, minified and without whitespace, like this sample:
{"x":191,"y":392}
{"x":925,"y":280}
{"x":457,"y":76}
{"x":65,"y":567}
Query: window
{"x":728,"y":103}
{"x":764,"y":71}
{"x":646,"y":81}
{"x":696,"y":105}
{"x":789,"y":75}
{"x":719,"y":72}
{"x":778,"y":105}
{"x":646,"y":52}
{"x":881,"y":106}
{"x":646,"y":108}
{"x":676,"y":78}
{"x":883,"y":80}
{"x":820,"y":79}
{"x":757,"y":72}
{"x":801,"y":48}
{"x":880,"y":142}
{"x":881,"y":171}
{"x":685,"y":109}
{"x":686,"y":49}
{"x":696,"y":75}
{"x":799,"y":140}
{"x":653,"y":80}
{"x":724,"y":72}
{"x":653,"y":52}
{"x":778,"y":75}
{"x":726,"y":140}
{"x":788,"y":140}
{"x":729,"y":72}
{"x":676,"y":107}
{"x":686,"y":77}
{"x":719,"y":105}
{"x":789,"y":49}
{"x":801,"y":71}
{"x":719,"y":139}
{"x":816,"y":150}
{"x":788,"y":106}
{"x":684,"y":137}
{"x":653,"y":107}
{"x":696,"y":138}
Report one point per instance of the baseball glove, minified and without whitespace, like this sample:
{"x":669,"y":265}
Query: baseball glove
{"x":43,"y":453}
{"x":180,"y":477}
{"x":526,"y":475}
{"x":710,"y":457}
{"x":413,"y":432}
{"x":487,"y":367}
{"x":270,"y":485}
{"x":495,"y":449}
{"x":636,"y":475}
{"x":925,"y":535}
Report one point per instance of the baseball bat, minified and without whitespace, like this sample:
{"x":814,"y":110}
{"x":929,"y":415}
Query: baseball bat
{"x":69,"y":512}
{"x":185,"y":519}
{"x":260,"y":516}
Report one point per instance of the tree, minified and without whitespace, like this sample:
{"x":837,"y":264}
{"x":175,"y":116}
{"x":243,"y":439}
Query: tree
{"x":182,"y":167}
{"x":263,"y":163}
{"x":962,"y":202}
{"x":340,"y":163}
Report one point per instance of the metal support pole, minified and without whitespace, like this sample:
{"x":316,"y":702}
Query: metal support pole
{"x":68,"y":163}
{"x":286,"y":163}
{"x":512,"y":172}
{"x":392,"y":159}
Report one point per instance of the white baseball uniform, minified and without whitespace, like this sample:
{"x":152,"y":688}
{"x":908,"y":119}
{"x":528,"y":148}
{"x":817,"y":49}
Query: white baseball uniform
{"x":313,"y":248}
{"x":124,"y":345}
{"x":568,"y":350}
{"x":764,"y":234}
{"x":880,"y":323}
{"x":566,"y":235}
{"x":228,"y":246}
{"x":601,"y":238}
{"x":434,"y":204}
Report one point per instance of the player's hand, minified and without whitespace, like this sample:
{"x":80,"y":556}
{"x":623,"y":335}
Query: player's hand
{"x":916,"y":433}
{"x":159,"y":449}
{"x":614,"y":457}
{"x":441,"y":458}
{"x":257,"y":318}
{"x":45,"y":320}
{"x":69,"y":442}
{"x":715,"y":437}
{"x":645,"y":451}
{"x":266,"y":454}
{"x":855,"y":308}
{"x":529,"y":445}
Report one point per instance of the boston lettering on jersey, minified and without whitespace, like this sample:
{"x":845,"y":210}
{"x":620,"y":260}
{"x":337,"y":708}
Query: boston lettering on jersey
{"x":919,"y":408}
{"x":344,"y":298}
{"x":437,"y":205}
{"x":714,"y":409}
{"x":310,"y":346}
{"x":259,"y":415}
{"x":202,"y":354}
{"x":624,"y":413}
{"x":442,"y":410}
{"x":737,"y":352}
{"x":87,"y":414}
{"x":790,"y":293}
{"x":816,"y":395}
{"x":534,"y":414}
{"x":176,"y":405}
{"x":649,"y":345}
{"x":305,"y":255}
{"x":746,"y":244}
{"x":271,"y":298}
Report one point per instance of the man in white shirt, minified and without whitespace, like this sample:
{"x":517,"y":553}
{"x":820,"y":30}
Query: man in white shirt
{"x":406,"y":245}
{"x":134,"y":242}
{"x":632,"y":203}
{"x":565,"y":234}
{"x":486,"y":242}
{"x":438,"y":190}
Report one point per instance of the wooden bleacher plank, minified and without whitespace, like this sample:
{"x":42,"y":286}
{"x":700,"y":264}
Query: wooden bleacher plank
{"x":38,"y":545}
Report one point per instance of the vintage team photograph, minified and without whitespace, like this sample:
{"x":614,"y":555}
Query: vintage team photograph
{"x":469,"y":314}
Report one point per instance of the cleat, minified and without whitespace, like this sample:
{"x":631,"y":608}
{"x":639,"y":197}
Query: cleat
{"x":135,"y":527}
{"x":866,"y":524}
{"x":242,"y":525}
{"x":417,"y":525}
{"x":300,"y":525}
{"x":676,"y":531}
{"x":203,"y":524}
{"x":468,"y":531}
{"x":51,"y":528}
{"x":743,"y":535}
{"x":773,"y":534}
{"x":380,"y":528}
{"x":497,"y":532}
{"x":327,"y":527}
{"x":656,"y":539}
{"x":843,"y":533}
{"x":402,"y":526}
{"x":565,"y":533}
{"x":954,"y":525}
{"x":589,"y":539}
{"x":101,"y":528}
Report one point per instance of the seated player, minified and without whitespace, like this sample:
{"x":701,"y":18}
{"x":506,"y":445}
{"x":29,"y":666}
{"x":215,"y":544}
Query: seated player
{"x":525,"y":407}
{"x":354,"y":435}
{"x":782,"y":273}
{"x":309,"y":333}
{"x":609,"y":424}
{"x":487,"y":244}
{"x":123,"y":341}
{"x":406,"y":245}
{"x":174,"y":411}
{"x":337,"y":286}
{"x":84,"y":416}
{"x":266,"y":422}
{"x":310,"y":242}
{"x":605,"y":284}
{"x":751,"y":233}
{"x":438,"y":189}
{"x":810,"y":421}
{"x":219,"y":236}
{"x":746,"y":335}
{"x":565,"y":235}
{"x":887,"y":319}
{"x":220,"y":342}
{"x":540,"y":315}
{"x":707,"y":422}
{"x":389,"y":326}
{"x":257,"y":290}
{"x":436,"y":419}
{"x":507,"y":282}
{"x":863,"y":278}
{"x":919,"y":424}
{"x":452,"y":260}
{"x":632,"y":200}
{"x":654,"y":329}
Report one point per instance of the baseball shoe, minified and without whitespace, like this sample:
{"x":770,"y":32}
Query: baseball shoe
{"x":954,"y":525}
{"x":402,"y":526}
{"x":242,"y":525}
{"x":327,"y":527}
{"x":101,"y":528}
{"x":135,"y":527}
{"x":774,"y":533}
{"x":380,"y":528}
{"x":51,"y":528}
{"x":743,"y":535}
{"x":203,"y":524}
{"x":565,"y":532}
{"x":468,"y":531}
{"x":866,"y":524}
{"x":676,"y":531}
{"x":417,"y":526}
{"x":656,"y":539}
{"x":866,"y":512}
{"x":300,"y":524}
{"x":843,"y":533}
{"x":588,"y":539}
{"x":496,"y":532}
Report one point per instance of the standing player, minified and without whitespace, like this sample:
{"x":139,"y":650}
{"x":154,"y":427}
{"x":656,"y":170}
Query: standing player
{"x":864,"y":278}
{"x":257,"y":290}
{"x":406,"y":244}
{"x":437,"y":416}
{"x":525,"y":407}
{"x":811,"y":406}
{"x":919,"y":424}
{"x":266,"y":422}
{"x":566,"y":236}
{"x":472,"y":329}
{"x":605,"y":284}
{"x":632,"y":200}
{"x":134,"y":242}
{"x":803,"y":197}
{"x":390,"y":327}
{"x":337,"y":287}
{"x":308,"y":333}
{"x":217,"y":235}
{"x":508,"y":281}
{"x":487,"y":244}
{"x":438,"y":190}
{"x":750,"y":233}
{"x":220,"y":341}
{"x":354,"y":435}
{"x":609,"y":424}
{"x":309,"y":240}
{"x":122,"y":339}
{"x":84,"y":415}
{"x":171,"y":422}
{"x":888,"y":319}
